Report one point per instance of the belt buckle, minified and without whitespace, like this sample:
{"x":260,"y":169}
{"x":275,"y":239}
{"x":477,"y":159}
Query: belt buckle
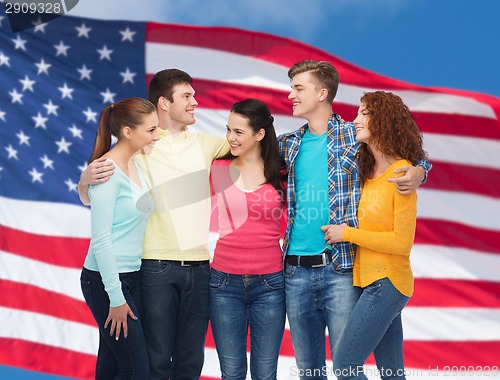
{"x":323,"y":263}
{"x":184,"y":264}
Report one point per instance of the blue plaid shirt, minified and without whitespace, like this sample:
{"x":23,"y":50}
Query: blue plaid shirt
{"x":343,"y":180}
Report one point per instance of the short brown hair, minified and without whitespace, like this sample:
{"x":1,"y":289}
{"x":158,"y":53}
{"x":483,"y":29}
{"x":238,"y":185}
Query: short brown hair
{"x":163,"y":83}
{"x":323,"y":72}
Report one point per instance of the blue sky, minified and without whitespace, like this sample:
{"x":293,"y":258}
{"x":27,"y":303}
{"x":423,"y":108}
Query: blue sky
{"x":439,"y":43}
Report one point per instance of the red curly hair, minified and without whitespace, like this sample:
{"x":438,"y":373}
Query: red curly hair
{"x":393,"y":131}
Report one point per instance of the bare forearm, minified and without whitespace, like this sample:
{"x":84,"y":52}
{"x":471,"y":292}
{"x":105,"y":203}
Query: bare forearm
{"x":97,"y":172}
{"x":83,"y":193}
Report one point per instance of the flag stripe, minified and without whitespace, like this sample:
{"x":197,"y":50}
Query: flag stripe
{"x":444,"y":355}
{"x":463,"y":150}
{"x":53,"y":278}
{"x":480,"y":364}
{"x":453,"y":124}
{"x":457,"y":177}
{"x":39,"y":300}
{"x":455,"y":293}
{"x":445,"y":233}
{"x":73,"y":336}
{"x":46,"y":358}
{"x":459,"y":208}
{"x":37,"y":217}
{"x":439,"y":262}
{"x":66,"y":251}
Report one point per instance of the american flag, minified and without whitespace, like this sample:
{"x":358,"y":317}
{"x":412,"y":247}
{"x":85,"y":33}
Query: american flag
{"x":56,"y":78}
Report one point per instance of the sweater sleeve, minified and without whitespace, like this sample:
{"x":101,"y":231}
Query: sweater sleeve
{"x":102,"y":214}
{"x":399,"y":241}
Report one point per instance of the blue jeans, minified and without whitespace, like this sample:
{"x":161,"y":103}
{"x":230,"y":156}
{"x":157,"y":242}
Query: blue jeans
{"x":125,"y":358}
{"x":374,"y":326}
{"x":317,"y":298}
{"x":175,"y":306}
{"x":241,"y":301}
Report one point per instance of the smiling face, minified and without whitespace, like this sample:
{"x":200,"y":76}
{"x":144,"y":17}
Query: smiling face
{"x":145,"y":135}
{"x":361,"y":123}
{"x":181,"y":110}
{"x":305,"y":95}
{"x":240,"y":136}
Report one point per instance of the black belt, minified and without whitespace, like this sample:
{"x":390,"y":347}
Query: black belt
{"x":316,"y":261}
{"x":185,"y":263}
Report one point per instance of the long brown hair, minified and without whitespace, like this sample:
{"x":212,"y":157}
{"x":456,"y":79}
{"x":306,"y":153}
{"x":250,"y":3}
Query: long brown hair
{"x":393,"y":131}
{"x":259,"y":116}
{"x":128,"y":112}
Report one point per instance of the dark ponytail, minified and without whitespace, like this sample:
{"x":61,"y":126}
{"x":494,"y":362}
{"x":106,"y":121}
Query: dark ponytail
{"x":102,"y":142}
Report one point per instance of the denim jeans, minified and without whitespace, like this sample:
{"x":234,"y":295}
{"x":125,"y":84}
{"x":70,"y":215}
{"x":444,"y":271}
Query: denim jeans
{"x":175,"y":306}
{"x":317,"y":298}
{"x":374,"y":326}
{"x":238,"y":302}
{"x":125,"y":358}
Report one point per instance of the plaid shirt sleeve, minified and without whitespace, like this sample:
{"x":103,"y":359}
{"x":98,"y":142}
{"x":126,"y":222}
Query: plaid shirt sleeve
{"x":288,"y":145}
{"x":427,"y":166}
{"x":343,"y":182}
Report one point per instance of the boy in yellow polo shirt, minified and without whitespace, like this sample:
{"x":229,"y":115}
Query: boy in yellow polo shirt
{"x":175,"y":268}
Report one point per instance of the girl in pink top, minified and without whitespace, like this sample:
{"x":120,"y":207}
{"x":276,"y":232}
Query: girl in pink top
{"x":247,"y":287}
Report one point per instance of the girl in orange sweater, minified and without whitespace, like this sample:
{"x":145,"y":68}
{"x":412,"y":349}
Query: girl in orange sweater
{"x":390,"y":139}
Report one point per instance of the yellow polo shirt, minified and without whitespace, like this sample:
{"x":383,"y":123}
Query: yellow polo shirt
{"x":177,"y":172}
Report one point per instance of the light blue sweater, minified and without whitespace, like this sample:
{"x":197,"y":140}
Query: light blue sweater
{"x":119,"y":212}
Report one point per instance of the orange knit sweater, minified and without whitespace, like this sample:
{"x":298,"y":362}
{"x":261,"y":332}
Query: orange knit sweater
{"x":386,"y":232}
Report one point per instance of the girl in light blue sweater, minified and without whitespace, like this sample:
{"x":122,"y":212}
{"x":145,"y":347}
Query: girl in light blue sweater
{"x":119,"y":210}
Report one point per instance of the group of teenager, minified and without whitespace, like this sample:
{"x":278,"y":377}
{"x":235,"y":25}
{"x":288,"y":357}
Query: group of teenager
{"x":347,"y":191}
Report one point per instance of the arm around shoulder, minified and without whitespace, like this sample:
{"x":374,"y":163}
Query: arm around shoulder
{"x":98,"y":171}
{"x":412,"y":177}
